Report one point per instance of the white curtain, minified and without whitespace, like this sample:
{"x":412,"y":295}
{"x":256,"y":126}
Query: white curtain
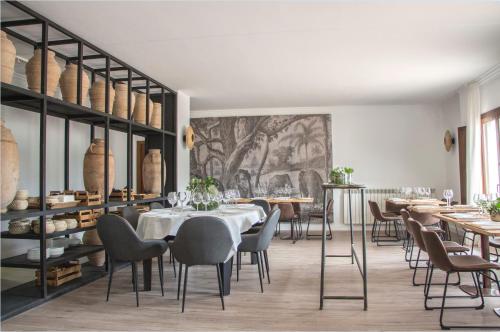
{"x":470,"y":106}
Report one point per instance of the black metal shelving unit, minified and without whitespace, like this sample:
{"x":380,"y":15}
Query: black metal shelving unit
{"x":98,"y":63}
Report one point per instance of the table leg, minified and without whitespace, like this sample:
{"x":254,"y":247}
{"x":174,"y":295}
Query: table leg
{"x":227,"y":271}
{"x":147,"y":266}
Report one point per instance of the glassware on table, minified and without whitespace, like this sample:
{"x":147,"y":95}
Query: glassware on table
{"x":448,"y":194}
{"x":218,"y":198}
{"x":197,"y":199}
{"x":182,"y":197}
{"x":206,"y":199}
{"x":428,"y":192}
{"x":172,"y":198}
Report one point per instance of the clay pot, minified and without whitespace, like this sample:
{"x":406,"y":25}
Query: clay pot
{"x":19,"y":226}
{"x":92,"y":238}
{"x":49,"y":226}
{"x":68,"y":83}
{"x":151,"y":172}
{"x":140,"y":108}
{"x":156,"y":116}
{"x":18,"y":205}
{"x":120,"y":102}
{"x":9,"y":170}
{"x":98,"y":96}
{"x":93,"y":168}
{"x":8,"y":59}
{"x":33,"y":72}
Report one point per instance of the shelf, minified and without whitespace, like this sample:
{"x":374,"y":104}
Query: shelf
{"x":18,"y":97}
{"x":33,"y":236}
{"x":71,"y":253}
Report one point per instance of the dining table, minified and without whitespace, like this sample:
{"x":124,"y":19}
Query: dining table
{"x":278,"y":200}
{"x":482,"y":225}
{"x":395,"y":204}
{"x":164,"y":223}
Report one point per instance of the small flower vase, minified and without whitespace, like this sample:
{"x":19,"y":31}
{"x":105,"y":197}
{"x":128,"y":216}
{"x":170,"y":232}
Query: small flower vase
{"x":348,"y":178}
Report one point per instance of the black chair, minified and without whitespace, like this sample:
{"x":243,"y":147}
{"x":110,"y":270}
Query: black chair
{"x":131,"y":214}
{"x":201,"y":241}
{"x":122,"y":245}
{"x":258,"y":244}
{"x":156,"y":206}
{"x":263,"y":204}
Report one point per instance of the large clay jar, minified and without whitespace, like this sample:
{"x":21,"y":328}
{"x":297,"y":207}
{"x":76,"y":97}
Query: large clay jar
{"x":93,"y":168}
{"x":9,"y":160}
{"x":68,"y":83}
{"x":98,"y":96}
{"x":151,"y":172}
{"x":156,"y":116}
{"x":34,"y":68}
{"x":140,"y":108}
{"x":120,"y":102}
{"x":92,"y":238}
{"x":8,"y":59}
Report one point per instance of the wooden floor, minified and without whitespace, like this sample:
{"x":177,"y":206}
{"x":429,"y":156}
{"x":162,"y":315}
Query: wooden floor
{"x":289,"y":303}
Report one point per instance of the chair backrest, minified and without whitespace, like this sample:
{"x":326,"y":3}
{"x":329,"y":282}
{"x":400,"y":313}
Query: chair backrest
{"x":267,"y":230}
{"x":156,"y":206}
{"x":375,"y":210}
{"x":436,"y":250}
{"x":329,"y":206}
{"x":131,"y":214}
{"x":405,"y":215}
{"x":287,"y":211}
{"x":263,"y":204}
{"x":202,"y":241}
{"x":424,"y":218}
{"x":118,"y":237}
{"x":415,"y":229}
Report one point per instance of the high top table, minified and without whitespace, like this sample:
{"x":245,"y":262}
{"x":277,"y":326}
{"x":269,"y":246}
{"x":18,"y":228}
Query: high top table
{"x":353,"y":255}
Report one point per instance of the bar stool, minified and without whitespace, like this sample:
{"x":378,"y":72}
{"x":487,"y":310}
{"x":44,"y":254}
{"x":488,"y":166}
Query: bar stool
{"x":450,"y":264}
{"x":319,"y":215}
{"x":387,"y":219}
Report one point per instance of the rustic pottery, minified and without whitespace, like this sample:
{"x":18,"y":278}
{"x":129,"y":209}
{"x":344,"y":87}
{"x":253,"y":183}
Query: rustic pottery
{"x":98,"y":96}
{"x":151,"y":172}
{"x":19,"y":226}
{"x":68,"y":84}
{"x":92,"y":238}
{"x":60,"y":225}
{"x":49,"y":226}
{"x":8,"y":58}
{"x":18,"y":204}
{"x":140,"y":108}
{"x":93,"y":168}
{"x":71,"y":223}
{"x":33,"y":72}
{"x":120,"y":102}
{"x":9,"y":163}
{"x":156,"y":116}
{"x":22,"y":194}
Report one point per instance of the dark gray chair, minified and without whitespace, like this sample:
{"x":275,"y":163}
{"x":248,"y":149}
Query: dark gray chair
{"x":258,"y":243}
{"x":156,"y":206}
{"x":201,"y":241}
{"x":131,"y":214}
{"x":123,"y":245}
{"x":263,"y":204}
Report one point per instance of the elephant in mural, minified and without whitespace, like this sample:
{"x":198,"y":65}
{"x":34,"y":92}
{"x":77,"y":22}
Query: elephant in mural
{"x":310,"y":184}
{"x":279,"y":181}
{"x":243,"y":181}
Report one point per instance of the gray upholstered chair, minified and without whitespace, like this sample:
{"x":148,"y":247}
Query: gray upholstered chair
{"x":123,"y":245}
{"x":131,"y":214}
{"x":263,"y":204}
{"x":258,"y":243}
{"x":201,"y":241}
{"x":156,"y":206}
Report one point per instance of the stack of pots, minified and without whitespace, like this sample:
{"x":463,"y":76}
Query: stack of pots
{"x":9,"y":169}
{"x":68,"y":82}
{"x":8,"y":58}
{"x":120,"y":100}
{"x":20,"y":201}
{"x":151,"y":172}
{"x":34,"y":68}
{"x":140,"y":108}
{"x":98,"y":96}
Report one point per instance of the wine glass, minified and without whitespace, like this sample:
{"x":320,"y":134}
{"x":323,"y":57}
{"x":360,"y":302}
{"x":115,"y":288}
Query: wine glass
{"x":448,"y":194}
{"x":188,"y":197}
{"x":218,"y":198}
{"x":182,"y":198}
{"x":197,"y":199}
{"x":172,"y":198}
{"x":206,"y":199}
{"x":428,"y":192}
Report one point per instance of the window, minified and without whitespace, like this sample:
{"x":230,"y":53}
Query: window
{"x":490,"y":149}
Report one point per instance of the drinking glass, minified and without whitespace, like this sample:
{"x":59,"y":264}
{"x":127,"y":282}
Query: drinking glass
{"x":206,"y":199}
{"x":172,"y":198}
{"x":197,"y":199}
{"x":182,"y":198}
{"x":218,"y":198}
{"x":448,"y":194}
{"x":428,"y":192}
{"x":236,"y":196}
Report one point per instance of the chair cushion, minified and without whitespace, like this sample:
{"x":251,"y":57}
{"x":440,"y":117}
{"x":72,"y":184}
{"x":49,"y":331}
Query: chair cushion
{"x":389,"y":216}
{"x":468,"y":263}
{"x":451,"y":247}
{"x":436,"y":229}
{"x":248,"y":242}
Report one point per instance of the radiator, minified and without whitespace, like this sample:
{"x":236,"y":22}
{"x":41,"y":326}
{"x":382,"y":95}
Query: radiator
{"x":379,"y":195}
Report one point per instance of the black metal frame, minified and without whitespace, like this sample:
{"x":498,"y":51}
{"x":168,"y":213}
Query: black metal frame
{"x":20,"y":98}
{"x":353,"y":255}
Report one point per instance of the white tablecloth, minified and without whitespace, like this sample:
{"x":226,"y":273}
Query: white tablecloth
{"x":159,"y":223}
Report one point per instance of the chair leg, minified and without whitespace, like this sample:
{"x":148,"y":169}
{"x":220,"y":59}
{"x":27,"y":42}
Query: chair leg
{"x":307,"y":228}
{"x":238,"y":265}
{"x":330,"y":235}
{"x":185,"y":286}
{"x":160,"y":271}
{"x":179,"y":281}
{"x":266,"y":259}
{"x":134,"y":272}
{"x":173,"y":264}
{"x":111,"y":268}
{"x":261,"y":254}
{"x":219,"y":281}
{"x":416,"y":268}
{"x":260,"y":275}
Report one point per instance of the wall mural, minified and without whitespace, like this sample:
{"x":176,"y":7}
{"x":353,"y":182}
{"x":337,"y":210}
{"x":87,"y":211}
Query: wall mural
{"x":261,"y":155}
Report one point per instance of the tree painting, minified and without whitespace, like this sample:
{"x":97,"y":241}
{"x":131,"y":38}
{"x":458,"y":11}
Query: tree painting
{"x":252,"y":152}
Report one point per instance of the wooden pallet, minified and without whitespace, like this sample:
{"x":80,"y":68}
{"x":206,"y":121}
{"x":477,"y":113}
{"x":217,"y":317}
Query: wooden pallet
{"x":120,"y":195}
{"x":58,"y":275}
{"x":87,"y":198}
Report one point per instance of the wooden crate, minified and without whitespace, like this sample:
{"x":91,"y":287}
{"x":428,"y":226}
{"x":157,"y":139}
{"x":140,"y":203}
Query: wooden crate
{"x":85,"y":218}
{"x":120,"y":195}
{"x":87,"y":198}
{"x":58,"y":275}
{"x":146,"y":196}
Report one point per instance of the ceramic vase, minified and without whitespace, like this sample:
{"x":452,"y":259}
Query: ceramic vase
{"x":156,"y":116}
{"x":34,"y":68}
{"x":9,"y":161}
{"x":120,"y":102}
{"x":8,"y":59}
{"x":98,"y":96}
{"x":92,"y":238}
{"x":93,"y":168}
{"x":68,"y":84}
{"x":151,"y":172}
{"x":140,"y":108}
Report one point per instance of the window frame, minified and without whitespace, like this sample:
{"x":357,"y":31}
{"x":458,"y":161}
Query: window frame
{"x":493,"y":115}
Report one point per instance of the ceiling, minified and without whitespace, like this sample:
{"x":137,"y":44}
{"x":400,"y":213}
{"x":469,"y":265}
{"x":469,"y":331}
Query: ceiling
{"x":295,"y":53}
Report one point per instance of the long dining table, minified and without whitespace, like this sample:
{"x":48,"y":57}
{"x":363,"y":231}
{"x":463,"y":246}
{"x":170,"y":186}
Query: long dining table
{"x":163,"y":223}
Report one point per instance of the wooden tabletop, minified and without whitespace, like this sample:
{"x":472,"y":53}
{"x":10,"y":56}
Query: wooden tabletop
{"x":416,"y":201}
{"x":439,"y":208}
{"x":480,"y":224}
{"x":276,"y":200}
